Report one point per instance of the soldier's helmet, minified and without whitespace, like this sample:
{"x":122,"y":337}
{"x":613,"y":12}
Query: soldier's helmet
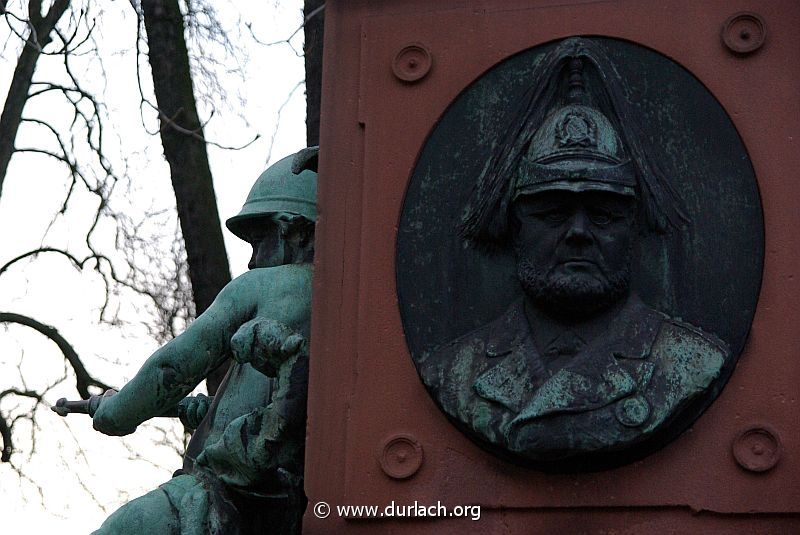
{"x":288,"y":186}
{"x":574,"y":130}
{"x":576,"y":149}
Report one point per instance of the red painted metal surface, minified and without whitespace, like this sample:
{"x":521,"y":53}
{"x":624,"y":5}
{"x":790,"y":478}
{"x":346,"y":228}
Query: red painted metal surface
{"x":364,"y":389}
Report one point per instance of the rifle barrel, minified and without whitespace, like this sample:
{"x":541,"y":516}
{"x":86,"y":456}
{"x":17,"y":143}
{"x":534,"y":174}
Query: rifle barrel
{"x":63,"y":407}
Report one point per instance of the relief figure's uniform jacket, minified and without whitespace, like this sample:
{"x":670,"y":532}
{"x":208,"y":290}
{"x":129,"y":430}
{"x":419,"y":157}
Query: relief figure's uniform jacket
{"x":615,"y":392}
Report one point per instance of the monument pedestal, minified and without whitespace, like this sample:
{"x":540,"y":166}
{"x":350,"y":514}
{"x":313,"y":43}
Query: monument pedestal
{"x":376,"y":437}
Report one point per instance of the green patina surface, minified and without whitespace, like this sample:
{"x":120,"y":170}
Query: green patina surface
{"x":248,"y":446}
{"x":576,"y":190}
{"x":249,"y":441}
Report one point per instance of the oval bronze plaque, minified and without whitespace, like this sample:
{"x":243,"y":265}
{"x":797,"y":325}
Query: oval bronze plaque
{"x":579,"y":255}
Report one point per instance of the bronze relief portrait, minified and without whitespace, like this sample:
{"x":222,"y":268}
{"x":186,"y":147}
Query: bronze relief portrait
{"x":579,"y":255}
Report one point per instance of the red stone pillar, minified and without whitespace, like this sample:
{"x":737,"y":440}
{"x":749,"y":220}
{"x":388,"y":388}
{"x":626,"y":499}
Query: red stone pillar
{"x":374,"y":434}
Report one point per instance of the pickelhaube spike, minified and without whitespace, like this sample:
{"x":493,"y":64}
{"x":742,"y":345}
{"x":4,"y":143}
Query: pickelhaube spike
{"x":577,"y":91}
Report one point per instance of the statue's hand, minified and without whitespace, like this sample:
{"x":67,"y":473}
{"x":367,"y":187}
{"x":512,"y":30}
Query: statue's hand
{"x":266,"y":344}
{"x":192,"y":410}
{"x":108,"y":418}
{"x":247,"y":451}
{"x":291,"y":392}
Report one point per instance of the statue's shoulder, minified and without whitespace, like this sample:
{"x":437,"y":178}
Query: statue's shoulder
{"x":262,"y":291}
{"x":289,"y":277}
{"x":688,"y":354}
{"x":474,"y":350}
{"x":285,"y":270}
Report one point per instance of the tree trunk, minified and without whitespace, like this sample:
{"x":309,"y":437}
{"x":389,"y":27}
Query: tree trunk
{"x":17,"y":96}
{"x":314,"y":25}
{"x":185,"y":150}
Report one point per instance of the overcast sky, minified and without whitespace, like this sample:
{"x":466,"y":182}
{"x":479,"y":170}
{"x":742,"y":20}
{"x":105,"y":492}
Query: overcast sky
{"x":51,"y":291}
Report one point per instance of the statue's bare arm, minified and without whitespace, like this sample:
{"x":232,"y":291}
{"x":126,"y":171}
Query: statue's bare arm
{"x":280,"y":293}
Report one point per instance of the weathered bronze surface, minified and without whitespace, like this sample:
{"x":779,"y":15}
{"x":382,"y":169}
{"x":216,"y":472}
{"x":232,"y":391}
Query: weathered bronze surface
{"x":607,"y":209}
{"x":243,"y":469}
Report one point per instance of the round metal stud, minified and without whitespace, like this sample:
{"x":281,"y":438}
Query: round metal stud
{"x":744,"y":33}
{"x":757,"y":449}
{"x":401,"y":456}
{"x":632,"y":411}
{"x":412,"y":63}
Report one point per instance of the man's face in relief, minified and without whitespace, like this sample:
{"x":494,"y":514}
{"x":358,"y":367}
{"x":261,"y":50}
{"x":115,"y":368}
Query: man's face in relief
{"x":574,"y":250}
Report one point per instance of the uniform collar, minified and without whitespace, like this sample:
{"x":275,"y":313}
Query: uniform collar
{"x":605,"y":370}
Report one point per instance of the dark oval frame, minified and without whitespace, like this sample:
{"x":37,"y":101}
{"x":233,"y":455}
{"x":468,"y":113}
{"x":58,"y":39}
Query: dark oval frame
{"x":708,"y":275}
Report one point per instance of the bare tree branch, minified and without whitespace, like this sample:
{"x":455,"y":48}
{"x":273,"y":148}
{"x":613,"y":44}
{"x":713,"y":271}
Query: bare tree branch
{"x":83,"y":379}
{"x":185,"y":150}
{"x":6,"y":428}
{"x":278,"y":121}
{"x":170,"y":119}
{"x":65,"y":31}
{"x":23,"y":393}
{"x":38,"y":38}
{"x":77,"y":263}
{"x":316,"y":11}
{"x":8,"y":445}
{"x":196,"y":133}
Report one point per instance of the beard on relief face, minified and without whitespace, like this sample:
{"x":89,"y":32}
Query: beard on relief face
{"x":572,"y":297}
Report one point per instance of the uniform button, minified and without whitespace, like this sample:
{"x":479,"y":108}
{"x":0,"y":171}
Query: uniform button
{"x":632,"y":411}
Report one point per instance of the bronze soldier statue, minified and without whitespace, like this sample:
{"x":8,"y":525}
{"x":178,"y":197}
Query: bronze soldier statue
{"x":243,"y":469}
